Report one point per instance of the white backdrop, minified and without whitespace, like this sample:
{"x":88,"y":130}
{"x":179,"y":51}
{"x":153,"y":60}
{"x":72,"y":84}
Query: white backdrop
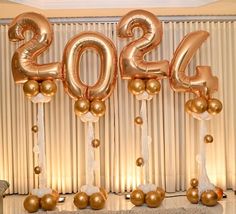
{"x":174,"y":134}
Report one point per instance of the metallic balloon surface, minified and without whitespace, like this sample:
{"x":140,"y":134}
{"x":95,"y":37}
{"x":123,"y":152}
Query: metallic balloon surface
{"x":81,"y":200}
{"x":73,"y":51}
{"x":81,"y":106}
{"x":140,"y":161}
{"x":162,"y":192}
{"x":136,"y":86}
{"x":194,"y":182}
{"x":214,"y":106}
{"x":192,"y":195}
{"x":95,"y":143}
{"x":97,"y":201}
{"x":153,"y":199}
{"x":31,"y":88}
{"x":48,"y":202}
{"x":55,"y":194}
{"x":199,"y":105}
{"x":37,"y":170}
{"x":219,"y":192}
{"x":137,"y":197}
{"x":35,"y":128}
{"x":153,"y":86}
{"x":104,"y":192}
{"x":208,"y":138}
{"x":31,"y":203}
{"x":188,"y":106}
{"x":132,"y":63}
{"x":48,"y":88}
{"x":138,"y":120}
{"x":24,"y":60}
{"x":209,"y":198}
{"x":98,"y":108}
{"x":203,"y":83}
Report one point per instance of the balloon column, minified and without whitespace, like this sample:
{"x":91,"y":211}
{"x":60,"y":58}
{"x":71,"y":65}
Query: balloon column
{"x":89,"y":101}
{"x":39,"y":86}
{"x":203,"y":84}
{"x":144,"y":82}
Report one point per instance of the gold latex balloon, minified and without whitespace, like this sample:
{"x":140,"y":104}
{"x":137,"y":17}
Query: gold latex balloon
{"x":188,"y":106}
{"x":208,"y":138}
{"x":104,"y":192}
{"x":48,"y":202}
{"x":153,"y":86}
{"x":95,"y":143}
{"x":56,"y":195}
{"x":73,"y":51}
{"x":139,"y":161}
{"x":199,"y":105}
{"x":203,"y":83}
{"x":214,"y":106}
{"x":98,"y":108}
{"x":153,"y":199}
{"x":194,"y":182}
{"x":162,"y":192}
{"x":137,"y":197}
{"x":35,"y":128}
{"x":219,"y":192}
{"x":138,"y":120}
{"x":81,"y":106}
{"x":24,"y":60}
{"x":192,"y":195}
{"x":37,"y":170}
{"x":31,"y":88}
{"x":97,"y":201}
{"x":48,"y":88}
{"x":132,"y":63}
{"x":209,"y":198}
{"x":81,"y":200}
{"x":31,"y":203}
{"x":136,"y":86}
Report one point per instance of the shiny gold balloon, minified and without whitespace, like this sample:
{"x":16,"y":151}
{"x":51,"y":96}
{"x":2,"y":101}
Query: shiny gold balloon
{"x":188,"y":106}
{"x":199,"y":105}
{"x":24,"y":60}
{"x":35,"y":128}
{"x":137,"y":197}
{"x":48,"y":88}
{"x":104,"y":192}
{"x":72,"y":55}
{"x":153,"y":86}
{"x":97,"y":201}
{"x":132,"y":63}
{"x":31,"y":88}
{"x":95,"y":143}
{"x":219,"y":192}
{"x":31,"y":203}
{"x":138,"y":120}
{"x":139,"y":161}
{"x":192,"y":195}
{"x":203,"y":83}
{"x":208,"y":138}
{"x":81,"y":106}
{"x":136,"y":86}
{"x":194,"y":182}
{"x":81,"y":200}
{"x":98,"y":108}
{"x":214,"y":106}
{"x":209,"y":198}
{"x":56,"y":195}
{"x":162,"y":192}
{"x":153,"y":199}
{"x":48,"y":202}
{"x":37,"y":170}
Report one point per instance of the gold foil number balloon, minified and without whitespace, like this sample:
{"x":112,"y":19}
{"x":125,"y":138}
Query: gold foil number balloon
{"x":24,"y":60}
{"x":203,"y":83}
{"x":132,"y":64}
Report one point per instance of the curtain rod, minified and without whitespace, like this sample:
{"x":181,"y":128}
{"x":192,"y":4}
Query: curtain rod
{"x":117,"y":18}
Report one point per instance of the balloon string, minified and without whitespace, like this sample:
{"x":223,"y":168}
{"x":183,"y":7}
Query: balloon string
{"x":90,"y":155}
{"x":41,"y":144}
{"x":144,"y":139}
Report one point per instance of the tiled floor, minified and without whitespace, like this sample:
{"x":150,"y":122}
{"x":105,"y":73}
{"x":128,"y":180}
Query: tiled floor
{"x":13,"y":204}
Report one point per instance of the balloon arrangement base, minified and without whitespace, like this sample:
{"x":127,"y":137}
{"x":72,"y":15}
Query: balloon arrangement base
{"x":148,"y":194}
{"x":208,"y":198}
{"x":45,"y":199}
{"x":90,"y":197}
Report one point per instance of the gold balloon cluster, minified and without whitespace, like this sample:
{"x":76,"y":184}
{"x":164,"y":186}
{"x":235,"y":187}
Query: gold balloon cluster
{"x":153,"y":199}
{"x":201,"y":104}
{"x":32,"y":88}
{"x":96,"y":107}
{"x":48,"y":202}
{"x":208,"y":198}
{"x":96,"y":201}
{"x":138,"y":86}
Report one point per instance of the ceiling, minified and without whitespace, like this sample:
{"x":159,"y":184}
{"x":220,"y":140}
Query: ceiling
{"x":86,"y":4}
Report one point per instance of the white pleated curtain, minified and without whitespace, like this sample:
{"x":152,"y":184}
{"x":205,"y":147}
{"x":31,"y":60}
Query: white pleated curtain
{"x":174,"y":133}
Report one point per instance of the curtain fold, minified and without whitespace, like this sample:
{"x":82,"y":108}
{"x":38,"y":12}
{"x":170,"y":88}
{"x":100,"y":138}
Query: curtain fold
{"x":174,"y":133}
